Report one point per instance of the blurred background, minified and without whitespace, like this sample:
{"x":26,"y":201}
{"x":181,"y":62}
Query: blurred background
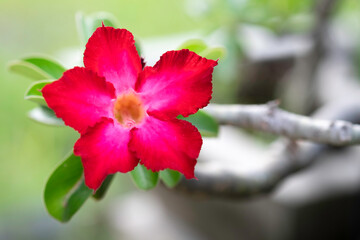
{"x":305,"y":53}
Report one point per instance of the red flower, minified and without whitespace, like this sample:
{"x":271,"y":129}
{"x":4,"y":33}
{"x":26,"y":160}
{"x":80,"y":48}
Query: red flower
{"x":125,"y":113}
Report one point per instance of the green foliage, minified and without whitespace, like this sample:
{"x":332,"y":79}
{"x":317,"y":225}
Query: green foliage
{"x":277,"y":15}
{"x":44,"y":69}
{"x":200,"y":47}
{"x":170,"y":177}
{"x":195,"y":45}
{"x":37,"y":68}
{"x":65,"y":191}
{"x":34,"y":92}
{"x":144,"y":178}
{"x":45,"y":115}
{"x":206,"y":124}
{"x":214,"y":53}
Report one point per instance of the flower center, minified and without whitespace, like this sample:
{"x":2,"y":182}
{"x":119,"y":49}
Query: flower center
{"x":128,"y":110}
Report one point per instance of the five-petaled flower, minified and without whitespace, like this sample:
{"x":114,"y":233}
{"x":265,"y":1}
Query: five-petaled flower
{"x":126,"y":113}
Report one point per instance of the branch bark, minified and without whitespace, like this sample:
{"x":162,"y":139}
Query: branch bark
{"x":269,"y":118}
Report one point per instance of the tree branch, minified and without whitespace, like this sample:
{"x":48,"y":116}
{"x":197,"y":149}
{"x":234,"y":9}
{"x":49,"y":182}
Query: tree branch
{"x":269,"y":118}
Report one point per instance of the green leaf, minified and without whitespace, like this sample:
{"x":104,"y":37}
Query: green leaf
{"x":37,"y":68}
{"x":65,"y":191}
{"x":138,"y":47}
{"x":144,"y":178}
{"x":206,"y":124}
{"x":27,"y":70}
{"x":86,"y":25}
{"x":48,"y":65}
{"x":100,"y":193}
{"x":34,"y":92}
{"x":213,"y":53}
{"x":195,"y":45}
{"x":199,"y":46}
{"x":45,"y":116}
{"x":170,"y":177}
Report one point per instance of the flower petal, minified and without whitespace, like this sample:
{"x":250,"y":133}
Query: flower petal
{"x":80,"y":98}
{"x":171,"y":144}
{"x":179,"y":83}
{"x":112,"y":53}
{"x":104,"y":150}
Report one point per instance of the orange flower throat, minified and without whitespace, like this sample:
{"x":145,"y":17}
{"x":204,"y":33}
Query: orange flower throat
{"x":129,"y":110}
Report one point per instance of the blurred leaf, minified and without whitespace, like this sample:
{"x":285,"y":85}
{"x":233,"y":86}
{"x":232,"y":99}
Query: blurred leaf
{"x":34,"y":92}
{"x":170,"y":177}
{"x":199,"y":47}
{"x":45,"y":115}
{"x":48,"y":65}
{"x":86,"y":25}
{"x":213,"y":53}
{"x":138,"y":47}
{"x":143,"y":178}
{"x":65,"y":191}
{"x":195,"y":45}
{"x":37,"y":68}
{"x":206,"y":124}
{"x":27,"y":70}
{"x":100,"y":193}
